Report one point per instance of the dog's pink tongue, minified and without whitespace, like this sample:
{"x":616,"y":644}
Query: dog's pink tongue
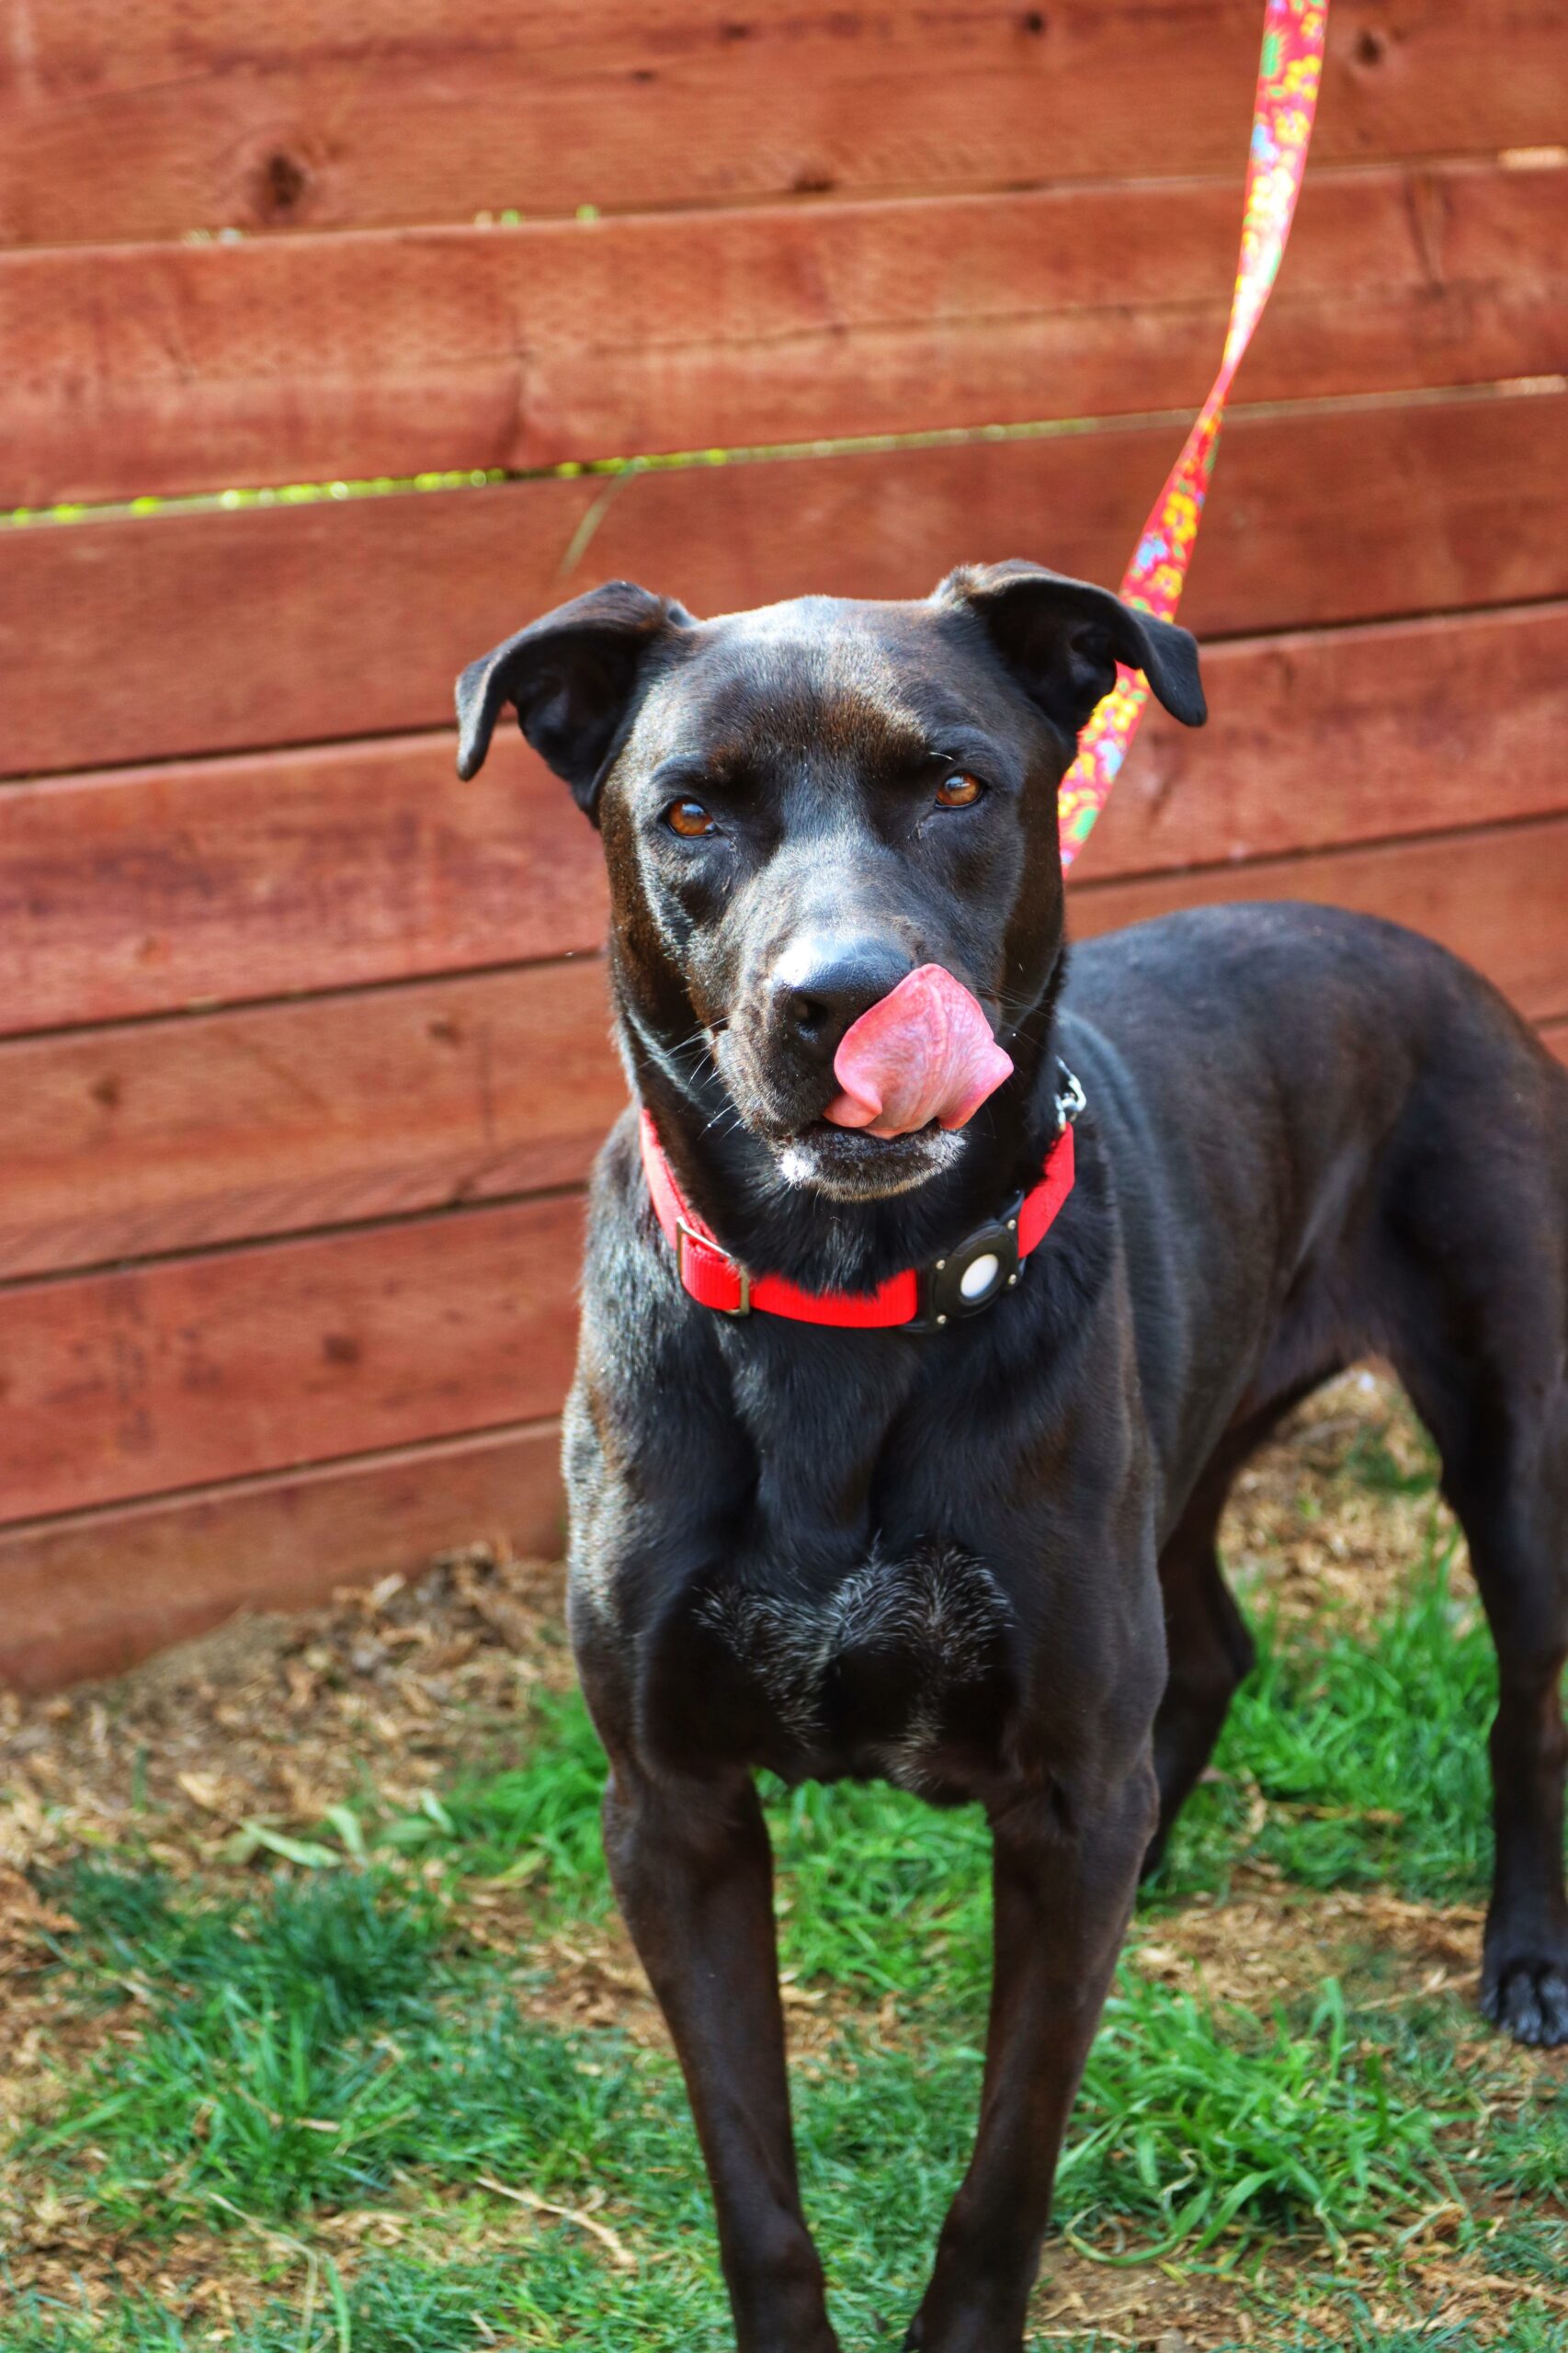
{"x":924,"y":1052}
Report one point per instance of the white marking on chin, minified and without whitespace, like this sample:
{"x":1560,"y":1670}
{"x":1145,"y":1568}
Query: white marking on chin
{"x":907,"y":1162}
{"x":796,"y":1165}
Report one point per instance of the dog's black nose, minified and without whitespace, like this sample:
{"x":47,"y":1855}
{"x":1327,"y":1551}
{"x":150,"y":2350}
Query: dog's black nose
{"x":825,"y":981}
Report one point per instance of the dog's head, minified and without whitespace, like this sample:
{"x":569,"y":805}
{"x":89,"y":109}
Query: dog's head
{"x":803,"y":805}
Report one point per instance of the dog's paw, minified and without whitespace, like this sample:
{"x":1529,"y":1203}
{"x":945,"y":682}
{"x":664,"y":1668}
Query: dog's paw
{"x":1528,"y":1999}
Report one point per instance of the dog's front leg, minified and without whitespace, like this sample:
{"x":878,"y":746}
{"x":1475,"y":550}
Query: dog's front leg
{"x":1065,"y":1868}
{"x":693,"y":1871}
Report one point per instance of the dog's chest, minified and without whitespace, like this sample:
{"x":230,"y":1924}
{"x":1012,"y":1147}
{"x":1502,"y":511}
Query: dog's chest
{"x":819,"y":1605}
{"x":898,"y":1667}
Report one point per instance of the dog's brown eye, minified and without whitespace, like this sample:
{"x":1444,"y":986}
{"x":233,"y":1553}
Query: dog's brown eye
{"x":958,"y":790}
{"x":688,"y":819}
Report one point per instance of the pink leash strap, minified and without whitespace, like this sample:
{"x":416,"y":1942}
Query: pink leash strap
{"x":1288,"y":75}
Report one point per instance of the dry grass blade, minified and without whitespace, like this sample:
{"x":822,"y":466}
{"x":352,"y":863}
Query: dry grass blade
{"x":619,"y":2252}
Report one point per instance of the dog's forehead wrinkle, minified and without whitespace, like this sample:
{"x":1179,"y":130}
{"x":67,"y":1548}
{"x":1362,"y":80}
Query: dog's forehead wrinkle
{"x":819,"y":696}
{"x":778,"y":676}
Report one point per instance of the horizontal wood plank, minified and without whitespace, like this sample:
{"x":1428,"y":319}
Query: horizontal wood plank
{"x":140,"y":891}
{"x":178,"y":116}
{"x":135,"y":892}
{"x":90,"y":1594}
{"x":142,"y":369}
{"x":1494,"y":895}
{"x":1317,"y":739}
{"x":185,"y":1371}
{"x":168,"y":1135}
{"x":188,"y":633}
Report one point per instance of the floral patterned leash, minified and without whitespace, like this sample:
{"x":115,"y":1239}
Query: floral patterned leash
{"x":1288,"y":79}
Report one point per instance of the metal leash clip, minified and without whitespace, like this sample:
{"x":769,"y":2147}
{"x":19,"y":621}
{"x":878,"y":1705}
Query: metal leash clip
{"x":1070,"y":1099}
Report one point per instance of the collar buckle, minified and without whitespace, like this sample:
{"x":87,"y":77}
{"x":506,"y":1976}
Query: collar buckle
{"x":710,"y":1256}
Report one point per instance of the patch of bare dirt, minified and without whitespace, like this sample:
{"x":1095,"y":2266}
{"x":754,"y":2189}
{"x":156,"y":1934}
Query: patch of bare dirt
{"x":58,"y":2248}
{"x":1425,"y":2286}
{"x":1271,"y":1942}
{"x":274,"y":1719}
{"x":1316,"y":1519}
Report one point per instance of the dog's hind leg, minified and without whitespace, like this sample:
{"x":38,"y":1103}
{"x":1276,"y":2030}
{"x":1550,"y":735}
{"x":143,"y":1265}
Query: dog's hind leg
{"x":1209,"y":1648}
{"x":1471,"y":1269}
{"x":1506,"y":1474}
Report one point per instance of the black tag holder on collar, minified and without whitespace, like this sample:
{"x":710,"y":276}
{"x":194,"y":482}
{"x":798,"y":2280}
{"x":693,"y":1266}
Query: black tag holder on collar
{"x":991,"y":1259}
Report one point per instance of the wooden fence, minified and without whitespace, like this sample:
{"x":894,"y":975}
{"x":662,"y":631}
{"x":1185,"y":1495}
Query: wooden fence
{"x":304,"y":1052}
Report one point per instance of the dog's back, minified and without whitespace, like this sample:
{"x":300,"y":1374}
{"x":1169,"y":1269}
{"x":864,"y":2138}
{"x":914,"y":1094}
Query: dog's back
{"x":1306,"y":1110}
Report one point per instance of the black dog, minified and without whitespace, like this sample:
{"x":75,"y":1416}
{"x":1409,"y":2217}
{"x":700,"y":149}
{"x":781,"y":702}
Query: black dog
{"x":977,"y":1555}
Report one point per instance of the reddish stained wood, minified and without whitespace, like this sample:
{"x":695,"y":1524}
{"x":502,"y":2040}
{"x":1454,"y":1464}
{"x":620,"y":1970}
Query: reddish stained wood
{"x":177,"y":368}
{"x":1555,"y":1035}
{"x":1494,"y":895}
{"x":1326,"y":737}
{"x":174,"y":116}
{"x":184,"y":1370}
{"x":142,"y":890}
{"x":93,"y":1593}
{"x":187,"y":634}
{"x":168,"y":1135}
{"x":134,"y":891}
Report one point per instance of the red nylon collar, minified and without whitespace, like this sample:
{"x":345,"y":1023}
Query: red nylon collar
{"x":716,"y":1279}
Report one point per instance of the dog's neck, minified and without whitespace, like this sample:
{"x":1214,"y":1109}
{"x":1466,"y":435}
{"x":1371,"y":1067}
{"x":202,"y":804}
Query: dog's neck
{"x":773,"y":1226}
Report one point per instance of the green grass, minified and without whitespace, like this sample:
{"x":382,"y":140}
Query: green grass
{"x":1193,"y":2117}
{"x":327,"y":2038}
{"x":392,"y":2306}
{"x":323,"y":2005}
{"x":311,"y":2046}
{"x":348,"y":1948}
{"x":336,"y":2053}
{"x":539,"y":1821}
{"x":1525,"y":2332}
{"x":1368,"y":1752}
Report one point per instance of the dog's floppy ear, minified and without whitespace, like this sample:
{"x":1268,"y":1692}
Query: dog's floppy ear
{"x":572,"y":677}
{"x":1063,"y":639}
